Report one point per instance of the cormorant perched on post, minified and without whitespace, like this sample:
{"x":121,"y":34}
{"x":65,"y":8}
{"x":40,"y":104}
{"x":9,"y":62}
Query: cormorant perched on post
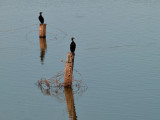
{"x":41,"y":19}
{"x":72,"y":45}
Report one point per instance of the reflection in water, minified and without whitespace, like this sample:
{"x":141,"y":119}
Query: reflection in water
{"x":70,"y":103}
{"x":62,"y":94}
{"x":43,"y":47}
{"x":54,"y":87}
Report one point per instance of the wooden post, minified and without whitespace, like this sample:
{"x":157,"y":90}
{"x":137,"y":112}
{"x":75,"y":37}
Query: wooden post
{"x":43,"y":47}
{"x":69,"y":70}
{"x":43,"y":43}
{"x":70,"y":103}
{"x":42,"y":30}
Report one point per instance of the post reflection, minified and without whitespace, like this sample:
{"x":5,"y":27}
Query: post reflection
{"x":43,"y":47}
{"x":55,"y":87}
{"x":68,"y":97}
{"x":70,"y":103}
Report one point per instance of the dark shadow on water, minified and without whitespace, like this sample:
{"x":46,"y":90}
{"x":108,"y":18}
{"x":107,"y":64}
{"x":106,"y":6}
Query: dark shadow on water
{"x":43,"y":47}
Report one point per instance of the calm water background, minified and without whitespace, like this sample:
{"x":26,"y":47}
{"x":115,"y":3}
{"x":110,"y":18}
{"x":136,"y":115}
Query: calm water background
{"x":118,"y":55}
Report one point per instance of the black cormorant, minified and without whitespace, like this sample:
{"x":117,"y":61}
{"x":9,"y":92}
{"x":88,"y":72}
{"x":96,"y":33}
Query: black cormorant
{"x":41,"y":19}
{"x":72,"y":45}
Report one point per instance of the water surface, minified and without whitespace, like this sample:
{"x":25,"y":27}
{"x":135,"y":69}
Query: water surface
{"x":117,"y":55}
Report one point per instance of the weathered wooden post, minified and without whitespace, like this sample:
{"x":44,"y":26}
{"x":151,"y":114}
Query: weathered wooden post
{"x":70,"y":103}
{"x":43,"y":47}
{"x":43,"y":43}
{"x":42,"y":30}
{"x":69,"y":70}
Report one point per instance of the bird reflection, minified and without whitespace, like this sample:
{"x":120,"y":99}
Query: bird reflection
{"x":70,"y":103}
{"x":43,"y":47}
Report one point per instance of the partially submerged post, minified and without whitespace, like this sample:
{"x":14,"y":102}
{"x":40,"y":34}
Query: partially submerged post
{"x":69,"y":70}
{"x":42,"y":43}
{"x":43,"y":47}
{"x":42,"y":30}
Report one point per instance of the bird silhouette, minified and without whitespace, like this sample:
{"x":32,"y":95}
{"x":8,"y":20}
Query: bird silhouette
{"x":72,"y":45}
{"x":41,"y":19}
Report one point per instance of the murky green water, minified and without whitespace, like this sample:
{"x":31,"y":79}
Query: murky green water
{"x":117,"y":57}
